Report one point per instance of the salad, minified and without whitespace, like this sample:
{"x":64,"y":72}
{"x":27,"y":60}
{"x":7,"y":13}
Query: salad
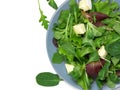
{"x":87,"y":38}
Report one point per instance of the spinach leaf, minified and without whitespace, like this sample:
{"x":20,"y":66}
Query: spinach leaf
{"x":114,"y":48}
{"x":47,"y":79}
{"x":58,"y":58}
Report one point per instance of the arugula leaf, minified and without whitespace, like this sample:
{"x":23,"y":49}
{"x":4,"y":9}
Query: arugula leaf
{"x":93,"y":57}
{"x":103,"y":72}
{"x":62,"y":33}
{"x":43,"y":18}
{"x":84,"y":81}
{"x":100,"y":83}
{"x":48,"y":79}
{"x":106,"y":6}
{"x":68,"y":50}
{"x":57,"y":58}
{"x":92,"y":31}
{"x":110,"y":83}
{"x":53,"y":4}
{"x":77,"y":71}
{"x":85,"y":50}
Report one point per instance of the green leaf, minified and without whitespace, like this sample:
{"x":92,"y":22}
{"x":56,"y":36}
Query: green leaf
{"x":47,"y":79}
{"x":100,"y":83}
{"x":74,"y":9}
{"x":94,"y":57}
{"x":92,"y":31}
{"x":84,"y":81}
{"x":77,"y":71}
{"x":110,"y":83}
{"x":113,"y":77}
{"x":53,"y":4}
{"x":104,"y":71}
{"x":85,"y":50}
{"x":106,"y":6}
{"x":115,"y":60}
{"x":116,"y":27}
{"x":58,"y":58}
{"x":68,"y":50}
{"x":43,"y":18}
{"x":114,"y":48}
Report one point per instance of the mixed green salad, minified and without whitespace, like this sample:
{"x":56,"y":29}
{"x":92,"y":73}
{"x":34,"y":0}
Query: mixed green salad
{"x":87,"y":38}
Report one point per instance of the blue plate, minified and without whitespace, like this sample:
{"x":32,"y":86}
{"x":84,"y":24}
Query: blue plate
{"x":60,"y":68}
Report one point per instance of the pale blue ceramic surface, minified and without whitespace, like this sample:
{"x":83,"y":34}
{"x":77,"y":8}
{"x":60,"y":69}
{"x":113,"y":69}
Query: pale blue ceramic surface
{"x":60,"y":68}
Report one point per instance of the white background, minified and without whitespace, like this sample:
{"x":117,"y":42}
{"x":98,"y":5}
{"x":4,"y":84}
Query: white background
{"x":23,"y":45}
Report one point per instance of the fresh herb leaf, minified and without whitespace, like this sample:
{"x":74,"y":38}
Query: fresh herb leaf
{"x":84,"y":81}
{"x":74,"y":9}
{"x":115,"y":60}
{"x":114,"y":48}
{"x":47,"y":79}
{"x":57,"y":58}
{"x":106,"y":6}
{"x":53,"y":4}
{"x":93,"y":57}
{"x":43,"y":18}
{"x":110,"y":83}
{"x":104,"y":71}
{"x":116,"y":27}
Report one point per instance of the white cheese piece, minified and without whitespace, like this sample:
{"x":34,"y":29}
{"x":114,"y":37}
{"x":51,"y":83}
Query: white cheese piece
{"x":79,"y":29}
{"x":102,"y":52}
{"x":85,"y":5}
{"x":69,"y":68}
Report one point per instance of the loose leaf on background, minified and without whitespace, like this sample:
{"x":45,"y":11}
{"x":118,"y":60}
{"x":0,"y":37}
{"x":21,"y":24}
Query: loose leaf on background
{"x":47,"y":79}
{"x":43,"y":18}
{"x":53,"y":4}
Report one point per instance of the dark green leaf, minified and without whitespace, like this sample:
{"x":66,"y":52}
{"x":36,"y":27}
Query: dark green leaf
{"x":53,"y":4}
{"x":58,"y":58}
{"x":114,"y":48}
{"x":84,"y":81}
{"x":47,"y":79}
{"x":104,"y":71}
{"x":85,"y":50}
{"x":113,"y":77}
{"x":77,"y":71}
{"x":94,"y":57}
